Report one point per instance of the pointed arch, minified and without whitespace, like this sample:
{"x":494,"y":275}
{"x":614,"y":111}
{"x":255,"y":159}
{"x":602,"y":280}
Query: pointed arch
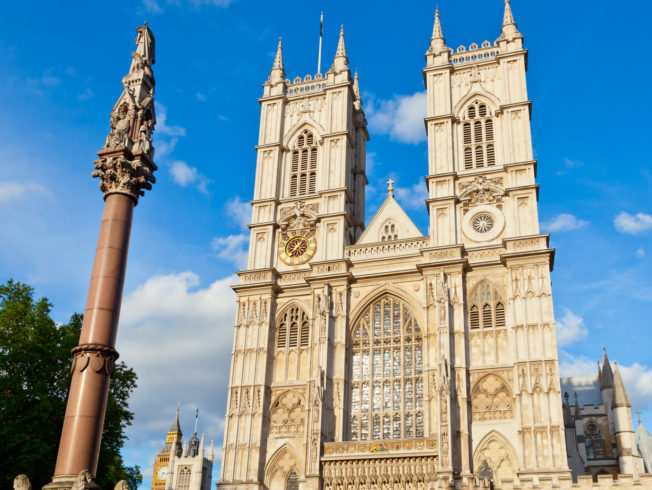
{"x":293,"y":326}
{"x":481,"y":95}
{"x":305,"y":123}
{"x":386,"y":369}
{"x":486,"y":306}
{"x":495,"y":456}
{"x":387,"y":289}
{"x":280,"y":465}
{"x":492,"y":398}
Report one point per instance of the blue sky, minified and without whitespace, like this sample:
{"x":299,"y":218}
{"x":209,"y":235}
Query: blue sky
{"x":61,"y":69}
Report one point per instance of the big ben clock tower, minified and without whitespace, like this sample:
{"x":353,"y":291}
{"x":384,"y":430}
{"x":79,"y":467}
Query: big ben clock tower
{"x":172,"y":449}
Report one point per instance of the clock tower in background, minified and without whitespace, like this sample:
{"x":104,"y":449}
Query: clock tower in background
{"x":182,"y":466}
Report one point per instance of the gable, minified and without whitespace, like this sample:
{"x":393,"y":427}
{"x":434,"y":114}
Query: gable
{"x":388,"y":224}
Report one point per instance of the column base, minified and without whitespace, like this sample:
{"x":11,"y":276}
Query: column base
{"x":83,"y":480}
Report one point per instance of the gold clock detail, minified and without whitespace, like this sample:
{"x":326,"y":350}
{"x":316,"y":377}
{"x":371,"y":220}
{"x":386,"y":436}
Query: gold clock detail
{"x":297,"y":247}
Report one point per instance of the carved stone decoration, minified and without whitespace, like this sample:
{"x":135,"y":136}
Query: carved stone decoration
{"x":21,"y":482}
{"x":120,"y":175}
{"x":491,"y":399}
{"x":299,"y":216}
{"x":121,"y":485}
{"x":84,"y":481}
{"x":100,"y":358}
{"x":495,"y":455}
{"x":125,"y":165}
{"x":481,"y":190}
{"x":287,"y":414}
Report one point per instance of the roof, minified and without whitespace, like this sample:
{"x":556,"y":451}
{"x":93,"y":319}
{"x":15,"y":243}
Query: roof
{"x":644,"y":444}
{"x":389,"y":213}
{"x":586,"y":387}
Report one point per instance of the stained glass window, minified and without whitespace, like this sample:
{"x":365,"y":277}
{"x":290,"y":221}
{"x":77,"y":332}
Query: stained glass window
{"x":387,"y":373}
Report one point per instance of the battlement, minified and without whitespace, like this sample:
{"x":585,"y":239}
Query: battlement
{"x":301,"y":86}
{"x":584,"y":482}
{"x":474,"y":54}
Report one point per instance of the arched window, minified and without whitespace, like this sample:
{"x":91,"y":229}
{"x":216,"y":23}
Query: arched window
{"x":183,"y":479}
{"x":593,"y":442}
{"x":293,"y":329}
{"x":389,"y":232}
{"x":486,"y":308}
{"x":303,"y":165}
{"x":478,"y":137}
{"x":386,"y":373}
{"x":292,"y":482}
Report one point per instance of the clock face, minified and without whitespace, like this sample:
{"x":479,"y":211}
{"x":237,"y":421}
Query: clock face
{"x":162,"y":473}
{"x":298,"y":247}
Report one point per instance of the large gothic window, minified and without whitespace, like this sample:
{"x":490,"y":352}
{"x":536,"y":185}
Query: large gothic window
{"x":386,"y":373}
{"x":293,"y":329}
{"x":478,"y":137}
{"x":303,"y":165}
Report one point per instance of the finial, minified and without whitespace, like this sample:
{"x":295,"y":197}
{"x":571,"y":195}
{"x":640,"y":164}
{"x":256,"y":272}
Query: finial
{"x":436,"y":29}
{"x":356,"y":91}
{"x":390,"y":188}
{"x":639,"y":417}
{"x":277,"y":75}
{"x":341,"y":62}
{"x":509,"y":32}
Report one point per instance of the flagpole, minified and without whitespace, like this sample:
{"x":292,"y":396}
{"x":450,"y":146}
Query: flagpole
{"x":321,"y":30}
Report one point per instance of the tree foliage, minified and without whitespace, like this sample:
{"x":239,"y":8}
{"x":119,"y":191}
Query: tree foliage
{"x":34,"y":381}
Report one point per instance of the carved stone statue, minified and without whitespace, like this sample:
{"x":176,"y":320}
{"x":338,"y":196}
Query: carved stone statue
{"x":21,"y":482}
{"x":121,"y":485}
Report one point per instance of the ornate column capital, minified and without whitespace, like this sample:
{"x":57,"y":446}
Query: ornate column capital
{"x":122,"y":173}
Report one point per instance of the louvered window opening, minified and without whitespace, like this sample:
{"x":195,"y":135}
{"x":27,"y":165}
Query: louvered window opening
{"x":387,"y":374}
{"x":389,"y":232}
{"x":303,"y":168}
{"x":183,"y":480}
{"x":478,"y":138}
{"x":487,"y":309}
{"x":293,"y":329}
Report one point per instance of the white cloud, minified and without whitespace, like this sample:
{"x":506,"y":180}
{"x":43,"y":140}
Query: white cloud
{"x":232,"y":248}
{"x":570,"y":328}
{"x":400,"y":117}
{"x":570,"y":365}
{"x":86,"y":94}
{"x":177,"y":337}
{"x":640,"y":253}
{"x":370,"y":163}
{"x":239,"y":211}
{"x":200,"y":96}
{"x":156,"y":6}
{"x":633,"y":224}
{"x":564,"y":222}
{"x":568,"y":163}
{"x":638,"y":383}
{"x":165,"y":137}
{"x":14,"y":191}
{"x":412,"y":197}
{"x":184,"y":175}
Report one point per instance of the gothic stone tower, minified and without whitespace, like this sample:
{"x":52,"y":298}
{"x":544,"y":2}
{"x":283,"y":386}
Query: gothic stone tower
{"x":379,"y":356}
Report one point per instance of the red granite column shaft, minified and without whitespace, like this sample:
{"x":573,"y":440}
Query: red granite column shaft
{"x":94,"y":356}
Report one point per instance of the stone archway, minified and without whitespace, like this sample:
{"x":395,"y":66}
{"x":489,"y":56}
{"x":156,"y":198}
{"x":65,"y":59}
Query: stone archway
{"x":495,"y":458}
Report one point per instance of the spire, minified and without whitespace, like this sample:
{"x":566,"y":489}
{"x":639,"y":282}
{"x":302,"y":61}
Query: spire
{"x":436,"y":29}
{"x":620,"y":394}
{"x":211,"y":452}
{"x":509,"y":33}
{"x":606,"y":376}
{"x":438,"y":53}
{"x":175,"y":427}
{"x":341,"y":62}
{"x":201,"y":446}
{"x":357,"y":102}
{"x":277,"y":75}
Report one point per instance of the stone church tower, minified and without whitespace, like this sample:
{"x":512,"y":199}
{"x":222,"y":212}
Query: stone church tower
{"x":379,"y":356}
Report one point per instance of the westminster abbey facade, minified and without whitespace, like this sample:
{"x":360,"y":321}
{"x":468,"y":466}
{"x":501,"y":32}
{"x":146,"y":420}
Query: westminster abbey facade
{"x":374,"y":357}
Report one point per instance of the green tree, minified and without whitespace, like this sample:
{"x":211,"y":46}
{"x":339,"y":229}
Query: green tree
{"x":34,"y":382}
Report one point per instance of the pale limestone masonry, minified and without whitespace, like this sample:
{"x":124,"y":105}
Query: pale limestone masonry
{"x":380,"y":358}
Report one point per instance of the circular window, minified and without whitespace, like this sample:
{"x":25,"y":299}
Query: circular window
{"x":483,"y":223}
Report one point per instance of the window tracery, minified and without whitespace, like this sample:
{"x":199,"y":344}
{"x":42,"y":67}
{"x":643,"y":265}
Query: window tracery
{"x":593,"y":441}
{"x":387,"y":373}
{"x":183,"y":480}
{"x":486,"y":308}
{"x":478,"y":137}
{"x":293,"y":329}
{"x":303,"y":165}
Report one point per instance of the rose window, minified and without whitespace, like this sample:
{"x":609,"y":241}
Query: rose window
{"x":482,"y":223}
